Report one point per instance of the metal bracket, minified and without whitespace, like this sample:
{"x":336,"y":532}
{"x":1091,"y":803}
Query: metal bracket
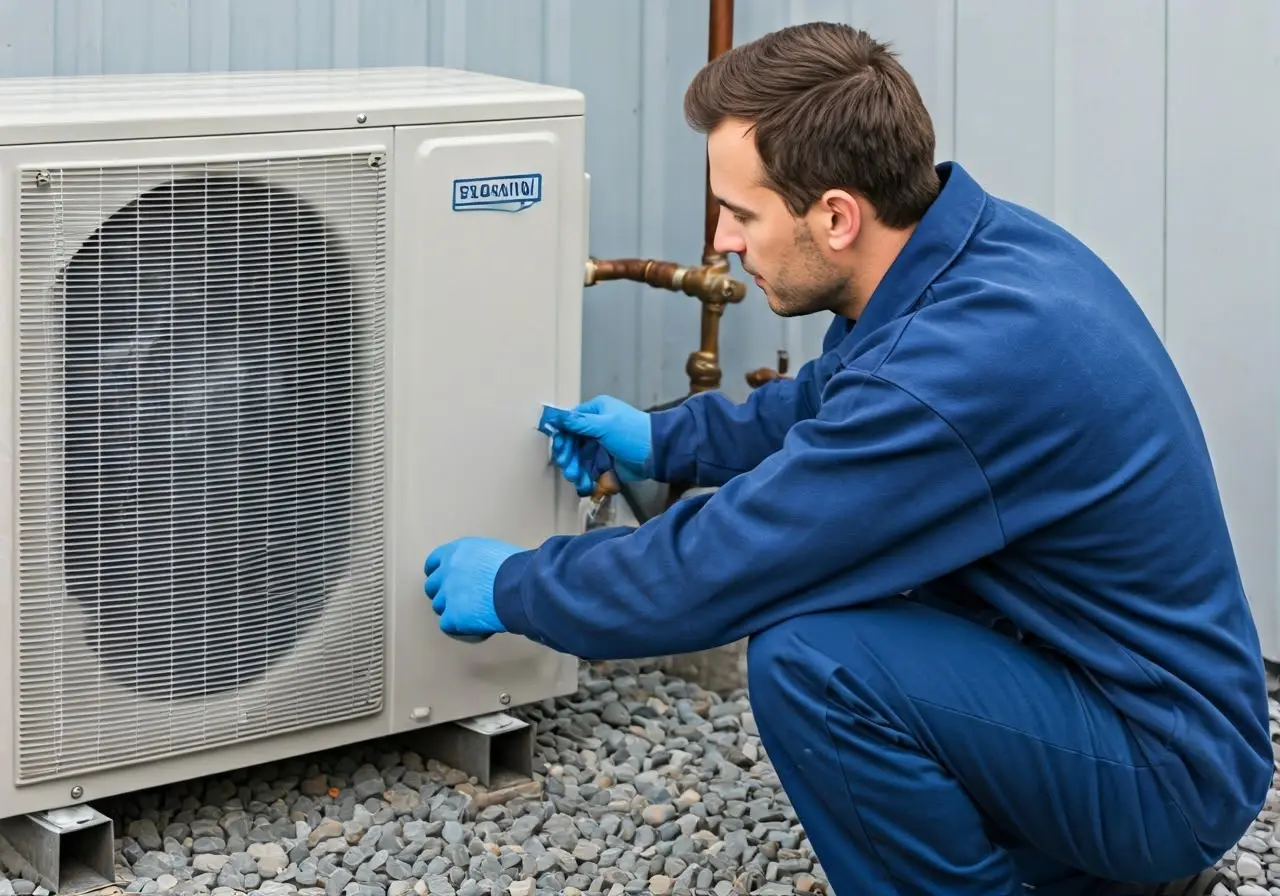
{"x":67,"y":850}
{"x":496,"y":749}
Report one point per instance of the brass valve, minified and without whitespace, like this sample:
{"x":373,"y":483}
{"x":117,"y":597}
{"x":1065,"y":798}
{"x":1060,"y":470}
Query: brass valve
{"x":709,"y":283}
{"x":762,"y":375}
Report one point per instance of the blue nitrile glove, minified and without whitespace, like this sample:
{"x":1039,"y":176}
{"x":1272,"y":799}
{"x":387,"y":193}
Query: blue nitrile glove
{"x":460,"y":576}
{"x":623,"y":431}
{"x":583,"y":461}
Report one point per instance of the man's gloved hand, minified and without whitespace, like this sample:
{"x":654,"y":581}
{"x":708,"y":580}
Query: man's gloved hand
{"x":622,"y":430}
{"x":460,"y":576}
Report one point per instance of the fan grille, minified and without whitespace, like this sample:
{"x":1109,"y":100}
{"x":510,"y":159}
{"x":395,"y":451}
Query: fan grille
{"x":201,"y":468}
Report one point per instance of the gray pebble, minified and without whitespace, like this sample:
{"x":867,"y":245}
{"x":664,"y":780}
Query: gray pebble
{"x":651,"y":785}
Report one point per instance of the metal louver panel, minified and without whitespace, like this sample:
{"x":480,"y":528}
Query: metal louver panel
{"x":201,"y":470}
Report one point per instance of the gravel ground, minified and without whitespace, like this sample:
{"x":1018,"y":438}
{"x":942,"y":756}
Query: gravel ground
{"x":652,"y":786}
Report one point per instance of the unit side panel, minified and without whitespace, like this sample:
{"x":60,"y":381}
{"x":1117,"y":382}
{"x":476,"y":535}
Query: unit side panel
{"x":485,"y":329}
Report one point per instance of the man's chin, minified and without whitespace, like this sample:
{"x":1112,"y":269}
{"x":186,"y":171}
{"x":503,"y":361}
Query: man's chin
{"x":782,"y":309}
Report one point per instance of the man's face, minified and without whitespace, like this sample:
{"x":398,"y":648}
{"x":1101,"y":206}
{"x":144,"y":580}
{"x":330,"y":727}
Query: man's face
{"x":791,"y":259}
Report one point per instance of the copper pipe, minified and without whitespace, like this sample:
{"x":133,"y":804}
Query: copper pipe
{"x":719,"y":40}
{"x":607,"y":485}
{"x":708,"y":284}
{"x":601,"y":512}
{"x":703,"y":366}
{"x":762,"y":375}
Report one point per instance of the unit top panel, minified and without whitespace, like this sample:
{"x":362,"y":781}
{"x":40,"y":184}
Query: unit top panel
{"x":111,"y":107}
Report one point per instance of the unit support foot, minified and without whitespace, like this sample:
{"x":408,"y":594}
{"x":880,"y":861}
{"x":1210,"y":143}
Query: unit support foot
{"x":496,"y":749}
{"x":67,"y":850}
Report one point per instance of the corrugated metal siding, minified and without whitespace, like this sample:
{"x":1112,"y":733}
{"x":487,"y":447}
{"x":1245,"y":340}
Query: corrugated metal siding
{"x":1116,"y":119}
{"x":1011,"y":85}
{"x":1222,"y":255}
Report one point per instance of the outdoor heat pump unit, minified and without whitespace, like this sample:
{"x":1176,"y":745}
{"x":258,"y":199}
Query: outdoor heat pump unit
{"x":269,"y":338}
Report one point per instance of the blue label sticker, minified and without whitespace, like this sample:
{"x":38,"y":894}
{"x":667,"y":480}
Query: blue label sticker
{"x":505,"y":193}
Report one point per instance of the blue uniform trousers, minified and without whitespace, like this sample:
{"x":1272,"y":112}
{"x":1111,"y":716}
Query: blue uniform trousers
{"x":926,"y":753}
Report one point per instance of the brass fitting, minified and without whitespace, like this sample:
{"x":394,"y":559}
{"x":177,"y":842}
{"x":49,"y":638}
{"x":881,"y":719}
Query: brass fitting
{"x":762,"y":375}
{"x":709,"y":283}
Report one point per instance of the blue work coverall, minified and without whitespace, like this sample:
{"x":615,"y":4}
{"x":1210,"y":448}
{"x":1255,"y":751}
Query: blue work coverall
{"x":997,"y":630}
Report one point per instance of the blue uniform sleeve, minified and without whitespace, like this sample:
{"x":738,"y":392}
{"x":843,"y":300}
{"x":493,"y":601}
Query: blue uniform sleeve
{"x":709,"y":439}
{"x":872,"y":497}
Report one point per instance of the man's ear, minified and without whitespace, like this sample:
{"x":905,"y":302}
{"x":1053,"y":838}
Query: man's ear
{"x":838,"y":219}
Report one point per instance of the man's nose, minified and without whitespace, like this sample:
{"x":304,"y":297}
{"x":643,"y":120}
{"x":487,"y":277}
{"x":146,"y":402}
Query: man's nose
{"x":728,"y":236}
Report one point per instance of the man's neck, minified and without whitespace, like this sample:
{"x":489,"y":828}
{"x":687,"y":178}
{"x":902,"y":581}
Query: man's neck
{"x":875,"y":257}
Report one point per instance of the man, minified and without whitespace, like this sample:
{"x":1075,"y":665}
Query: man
{"x":998,"y":638}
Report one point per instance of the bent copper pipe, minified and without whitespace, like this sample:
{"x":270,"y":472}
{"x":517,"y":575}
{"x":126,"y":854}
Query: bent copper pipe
{"x":709,"y":283}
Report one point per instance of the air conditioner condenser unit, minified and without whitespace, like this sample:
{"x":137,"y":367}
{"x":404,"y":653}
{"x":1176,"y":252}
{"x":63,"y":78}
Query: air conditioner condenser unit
{"x":271,"y":337}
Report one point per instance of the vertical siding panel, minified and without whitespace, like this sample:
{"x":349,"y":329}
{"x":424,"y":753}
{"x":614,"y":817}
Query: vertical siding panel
{"x":210,"y":38}
{"x":321,"y":41}
{"x":392,"y":32}
{"x":453,"y":30}
{"x":27,"y":38}
{"x":557,"y":42}
{"x":434,"y":36}
{"x":504,"y":37}
{"x":1222,"y":316}
{"x":605,"y":65}
{"x":78,"y":37}
{"x":166,"y":27}
{"x":808,"y":11}
{"x":652,"y":202}
{"x":127,"y":46}
{"x":1108,"y":175}
{"x":1004,"y":97}
{"x":681,"y":192}
{"x":264,"y":35}
{"x":943,"y":101}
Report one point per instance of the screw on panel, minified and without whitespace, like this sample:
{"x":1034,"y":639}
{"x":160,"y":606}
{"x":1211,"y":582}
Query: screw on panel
{"x":376,"y":160}
{"x":42,"y":179}
{"x":77,"y":792}
{"x":505,"y":699}
{"x":361,"y":118}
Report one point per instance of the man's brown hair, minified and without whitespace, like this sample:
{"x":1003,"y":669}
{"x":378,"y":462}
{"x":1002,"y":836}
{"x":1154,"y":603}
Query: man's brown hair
{"x":831,"y":108}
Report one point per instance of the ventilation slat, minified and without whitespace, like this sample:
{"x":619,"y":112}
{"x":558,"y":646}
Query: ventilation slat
{"x":200,"y":456}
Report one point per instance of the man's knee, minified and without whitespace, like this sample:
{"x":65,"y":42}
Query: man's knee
{"x":778,"y":689}
{"x":849,"y":656}
{"x":789,"y":669}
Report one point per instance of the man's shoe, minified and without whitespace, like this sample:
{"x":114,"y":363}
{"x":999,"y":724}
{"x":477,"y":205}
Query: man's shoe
{"x":1201,"y":884}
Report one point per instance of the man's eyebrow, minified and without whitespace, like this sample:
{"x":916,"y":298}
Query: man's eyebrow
{"x":736,"y":209}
